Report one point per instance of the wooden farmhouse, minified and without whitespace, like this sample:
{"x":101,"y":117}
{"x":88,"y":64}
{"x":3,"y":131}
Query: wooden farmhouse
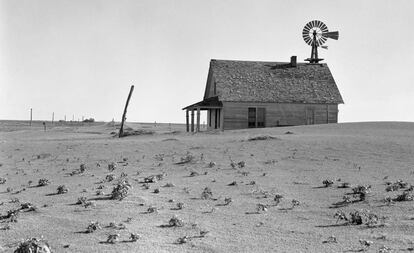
{"x":251,"y":94}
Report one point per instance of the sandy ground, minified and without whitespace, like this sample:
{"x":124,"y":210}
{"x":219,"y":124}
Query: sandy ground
{"x":291,"y":165}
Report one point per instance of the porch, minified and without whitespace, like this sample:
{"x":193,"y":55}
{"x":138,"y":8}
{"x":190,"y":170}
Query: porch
{"x":215,"y":117}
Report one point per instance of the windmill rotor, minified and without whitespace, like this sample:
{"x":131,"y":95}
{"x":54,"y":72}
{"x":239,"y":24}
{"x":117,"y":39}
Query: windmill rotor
{"x":315,"y":33}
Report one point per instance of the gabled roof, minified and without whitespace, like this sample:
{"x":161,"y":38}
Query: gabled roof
{"x":252,"y":81}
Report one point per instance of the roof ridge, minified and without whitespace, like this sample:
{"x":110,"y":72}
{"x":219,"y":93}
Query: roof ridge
{"x":250,"y":61}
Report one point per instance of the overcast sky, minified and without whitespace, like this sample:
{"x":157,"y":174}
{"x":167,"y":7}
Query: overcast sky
{"x":80,"y":57}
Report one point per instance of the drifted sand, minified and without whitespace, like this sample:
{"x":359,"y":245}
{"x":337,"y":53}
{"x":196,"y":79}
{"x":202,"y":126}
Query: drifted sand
{"x":292,"y":165}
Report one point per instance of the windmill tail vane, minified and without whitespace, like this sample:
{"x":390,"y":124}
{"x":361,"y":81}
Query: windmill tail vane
{"x":315,"y":34}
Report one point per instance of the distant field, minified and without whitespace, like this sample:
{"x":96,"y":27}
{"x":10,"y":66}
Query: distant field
{"x":246,"y":171}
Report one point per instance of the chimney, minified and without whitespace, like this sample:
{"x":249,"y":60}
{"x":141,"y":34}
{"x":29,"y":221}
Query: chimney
{"x":293,"y":61}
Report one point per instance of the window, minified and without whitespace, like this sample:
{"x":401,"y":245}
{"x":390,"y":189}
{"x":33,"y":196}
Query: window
{"x":252,"y":117}
{"x":256,"y":117}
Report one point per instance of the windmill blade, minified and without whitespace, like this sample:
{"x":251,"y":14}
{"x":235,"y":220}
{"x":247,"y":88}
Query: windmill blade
{"x":308,"y":41}
{"x":321,"y":41}
{"x":331,"y":35}
{"x":324,"y":28}
{"x":307,"y":27}
{"x":317,"y":23}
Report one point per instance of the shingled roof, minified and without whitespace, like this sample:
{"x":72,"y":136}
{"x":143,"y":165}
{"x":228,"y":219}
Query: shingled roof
{"x":280,"y":82}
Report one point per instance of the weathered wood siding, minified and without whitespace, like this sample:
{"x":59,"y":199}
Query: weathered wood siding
{"x":236,"y":114}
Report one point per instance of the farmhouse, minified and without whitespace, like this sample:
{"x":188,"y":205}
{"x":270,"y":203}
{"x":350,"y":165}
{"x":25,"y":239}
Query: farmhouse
{"x":251,"y":94}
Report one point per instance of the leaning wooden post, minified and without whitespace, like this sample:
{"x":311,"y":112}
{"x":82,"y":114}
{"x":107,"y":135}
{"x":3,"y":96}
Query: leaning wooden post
{"x":121,"y":130}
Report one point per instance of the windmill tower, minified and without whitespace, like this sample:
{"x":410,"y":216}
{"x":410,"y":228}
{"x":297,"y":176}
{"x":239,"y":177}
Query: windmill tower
{"x":315,"y":34}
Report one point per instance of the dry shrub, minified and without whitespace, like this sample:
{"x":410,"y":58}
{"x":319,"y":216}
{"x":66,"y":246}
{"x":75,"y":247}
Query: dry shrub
{"x":241,"y":164}
{"x":82,"y":169}
{"x":175,"y":222}
{"x":33,"y":245}
{"x":134,"y":237}
{"x":227,"y":201}
{"x":405,"y":196}
{"x":234,"y":183}
{"x":110,"y":177}
{"x":277,"y":199}
{"x":362,"y":191}
{"x":188,"y":158}
{"x":117,"y":226}
{"x":28,"y":207}
{"x":111,"y":166}
{"x":180,"y":205}
{"x":207,"y":193}
{"x":295,"y":203}
{"x":62,"y":189}
{"x":120,"y":191}
{"x":112,"y":238}
{"x":81,"y":200}
{"x":93,"y":226}
{"x":327,"y":182}
{"x":43,"y":182}
{"x":330,"y":239}
{"x":399,"y":184}
{"x":159,"y":157}
{"x":183,"y":240}
{"x":150,"y":179}
{"x":3,"y":180}
{"x":261,"y":208}
{"x":152,"y":209}
{"x":194,"y":173}
{"x":360,"y":217}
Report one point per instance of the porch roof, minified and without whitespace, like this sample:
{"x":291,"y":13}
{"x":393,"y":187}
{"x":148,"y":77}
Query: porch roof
{"x":209,"y":103}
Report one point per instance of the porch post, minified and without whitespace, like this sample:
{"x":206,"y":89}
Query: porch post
{"x":221,"y":119}
{"x":198,"y":119}
{"x":192,"y":120}
{"x":208,"y":119}
{"x":187,"y":121}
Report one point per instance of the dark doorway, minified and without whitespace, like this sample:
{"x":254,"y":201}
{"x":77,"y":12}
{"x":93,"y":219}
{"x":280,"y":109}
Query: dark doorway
{"x":256,"y":117}
{"x":252,"y":117}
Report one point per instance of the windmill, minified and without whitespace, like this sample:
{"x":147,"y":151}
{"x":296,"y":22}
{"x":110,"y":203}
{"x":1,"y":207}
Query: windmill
{"x":315,"y":34}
